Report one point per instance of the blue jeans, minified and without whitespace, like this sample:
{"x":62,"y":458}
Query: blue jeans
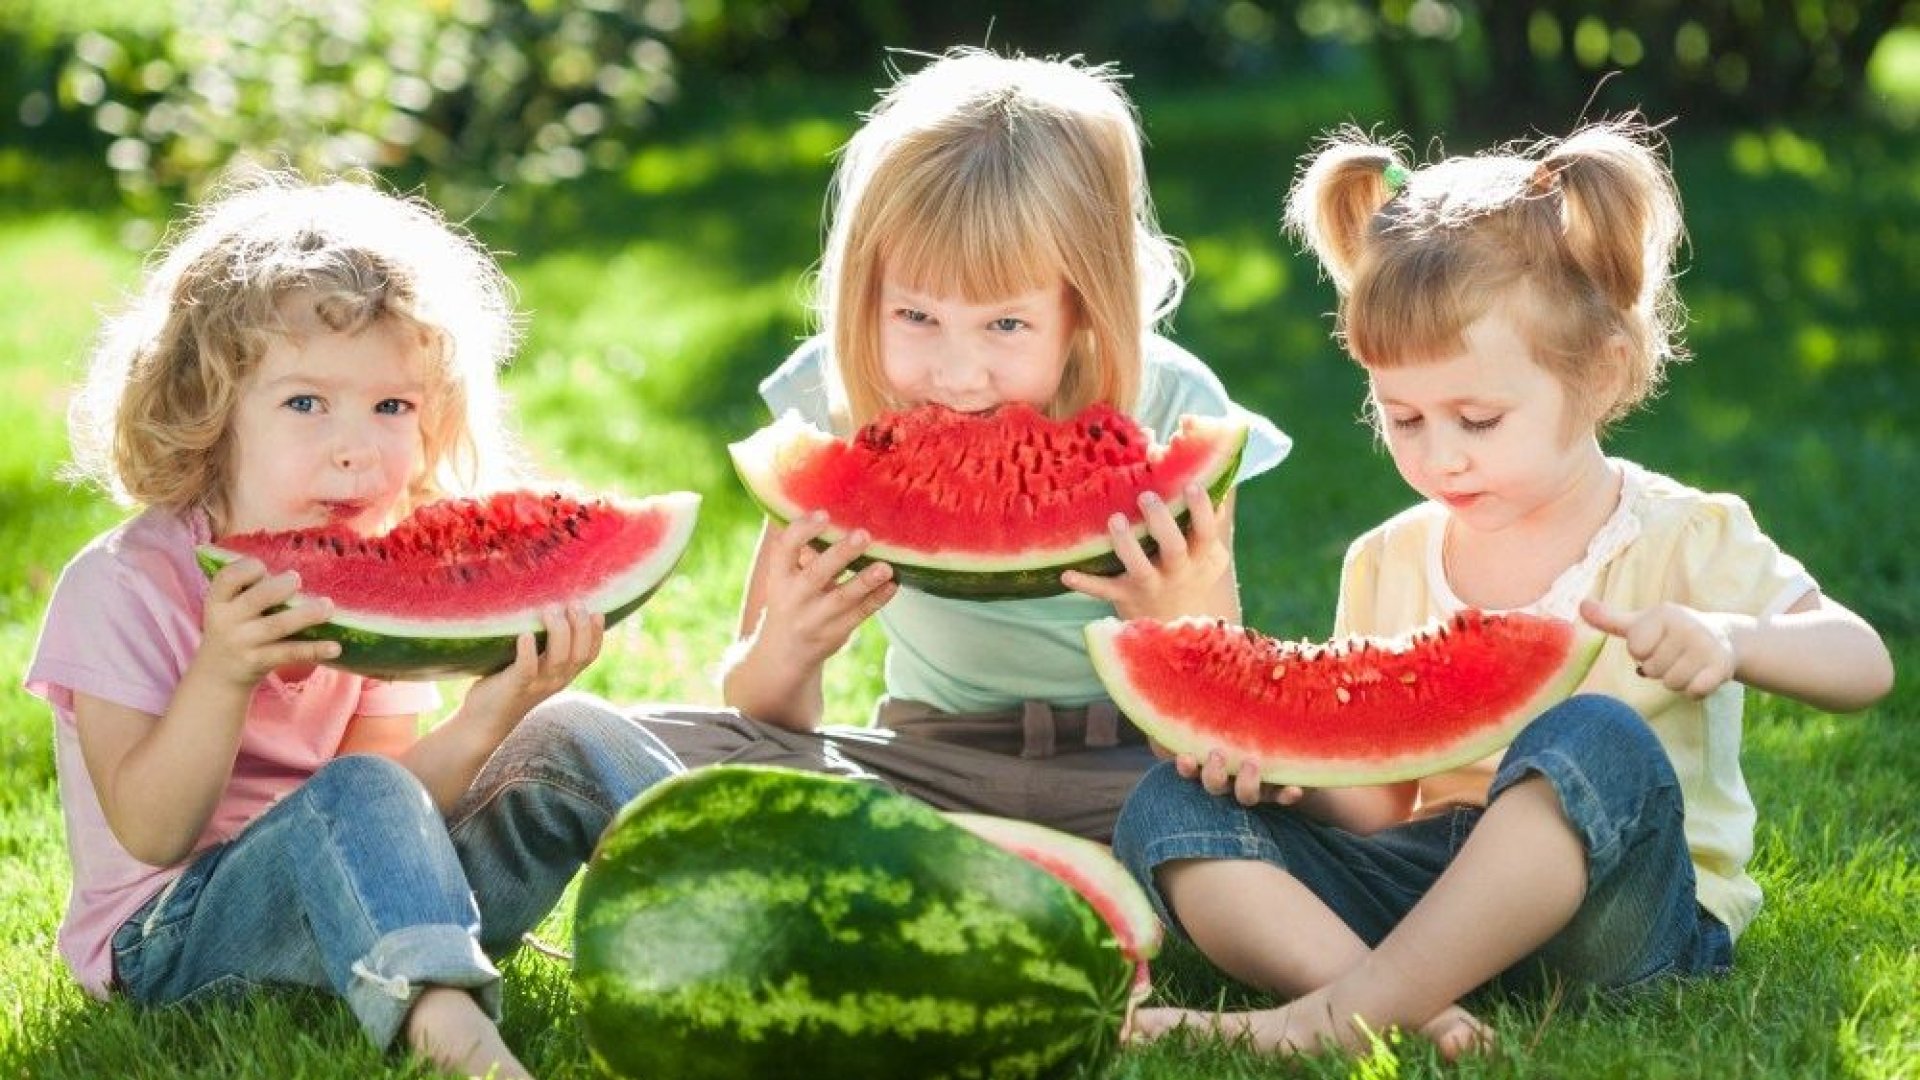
{"x":355,"y":882}
{"x":1639,"y":920}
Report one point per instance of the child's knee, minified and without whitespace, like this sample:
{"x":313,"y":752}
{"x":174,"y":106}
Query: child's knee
{"x":1613,"y":780}
{"x":360,"y":780}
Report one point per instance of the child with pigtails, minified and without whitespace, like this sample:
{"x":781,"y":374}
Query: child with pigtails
{"x":1506,"y":309}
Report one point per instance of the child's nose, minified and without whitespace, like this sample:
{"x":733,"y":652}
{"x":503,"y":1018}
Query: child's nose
{"x":355,"y":452}
{"x":959,"y":373}
{"x":1445,"y":456}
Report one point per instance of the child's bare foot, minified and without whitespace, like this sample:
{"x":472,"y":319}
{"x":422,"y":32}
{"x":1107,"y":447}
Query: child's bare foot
{"x":1457,"y":1033}
{"x":448,"y":1028}
{"x":1292,"y":1028}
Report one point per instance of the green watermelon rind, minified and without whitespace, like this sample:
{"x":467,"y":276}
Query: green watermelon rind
{"x":974,"y":576}
{"x":386,"y":647}
{"x":1583,"y":648}
{"x":1092,"y":866}
{"x":757,"y":921}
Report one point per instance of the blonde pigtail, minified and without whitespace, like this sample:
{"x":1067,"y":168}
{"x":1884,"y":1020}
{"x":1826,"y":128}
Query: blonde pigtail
{"x":1336,"y":196}
{"x":1622,"y":211}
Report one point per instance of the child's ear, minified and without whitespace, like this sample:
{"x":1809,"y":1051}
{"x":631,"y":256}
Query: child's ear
{"x":1615,"y":385}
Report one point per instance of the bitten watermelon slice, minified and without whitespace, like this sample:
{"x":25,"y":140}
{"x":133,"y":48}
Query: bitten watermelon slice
{"x":1351,"y":711}
{"x":985,"y":506}
{"x":449,"y":588}
{"x":746,"y":921}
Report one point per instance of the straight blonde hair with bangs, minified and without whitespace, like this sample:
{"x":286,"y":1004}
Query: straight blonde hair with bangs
{"x":989,"y":177}
{"x":1574,"y":237}
{"x":272,"y":256}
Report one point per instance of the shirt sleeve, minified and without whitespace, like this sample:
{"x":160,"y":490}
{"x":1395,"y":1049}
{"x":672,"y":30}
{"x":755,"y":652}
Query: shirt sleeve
{"x":1730,"y":565}
{"x":801,"y":384}
{"x":110,"y":632}
{"x":1176,"y":382}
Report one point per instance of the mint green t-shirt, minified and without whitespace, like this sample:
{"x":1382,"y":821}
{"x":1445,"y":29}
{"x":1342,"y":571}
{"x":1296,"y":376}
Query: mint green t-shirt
{"x":977,"y":656}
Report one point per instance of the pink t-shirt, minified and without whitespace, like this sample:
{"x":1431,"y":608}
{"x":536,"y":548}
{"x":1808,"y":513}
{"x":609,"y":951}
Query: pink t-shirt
{"x":122,"y":625}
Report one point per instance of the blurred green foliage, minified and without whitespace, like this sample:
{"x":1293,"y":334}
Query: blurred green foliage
{"x":483,"y":94}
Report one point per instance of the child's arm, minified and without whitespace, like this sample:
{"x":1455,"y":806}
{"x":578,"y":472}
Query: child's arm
{"x":447,"y":758}
{"x":797,"y":612}
{"x":1358,"y":810}
{"x":1817,"y":651}
{"x":159,"y":778}
{"x":1189,"y":574}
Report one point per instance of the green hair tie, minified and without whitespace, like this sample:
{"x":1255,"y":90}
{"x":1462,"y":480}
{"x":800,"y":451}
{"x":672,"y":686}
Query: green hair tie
{"x":1396,"y":176}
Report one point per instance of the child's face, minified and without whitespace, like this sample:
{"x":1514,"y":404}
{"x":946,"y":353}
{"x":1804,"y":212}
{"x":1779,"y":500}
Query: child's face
{"x":1484,"y":431}
{"x":974,"y":357}
{"x":327,"y":431}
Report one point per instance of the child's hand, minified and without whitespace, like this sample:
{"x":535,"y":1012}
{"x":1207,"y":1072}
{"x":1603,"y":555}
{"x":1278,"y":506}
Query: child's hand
{"x":1245,"y":784}
{"x":810,"y":612}
{"x":1689,"y":652}
{"x":536,"y":674}
{"x":244,"y":638}
{"x":1180,"y":579}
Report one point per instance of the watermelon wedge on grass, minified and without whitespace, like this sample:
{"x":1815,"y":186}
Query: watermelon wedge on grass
{"x":1090,"y":870}
{"x":1351,"y":711}
{"x":985,"y":506}
{"x":747,"y":921}
{"x":448,"y":590}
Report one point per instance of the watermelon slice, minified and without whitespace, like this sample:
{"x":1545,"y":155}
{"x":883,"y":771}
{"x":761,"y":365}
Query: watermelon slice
{"x":1093,"y":872}
{"x":448,"y":589}
{"x":985,"y":506}
{"x":1351,"y":711}
{"x":744,"y":921}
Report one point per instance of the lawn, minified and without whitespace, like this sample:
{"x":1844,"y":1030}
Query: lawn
{"x":660,"y":296}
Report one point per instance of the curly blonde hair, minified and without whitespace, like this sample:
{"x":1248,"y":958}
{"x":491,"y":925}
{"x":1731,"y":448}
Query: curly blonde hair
{"x":151,"y":424}
{"x":988,"y":176}
{"x":1576,"y":236}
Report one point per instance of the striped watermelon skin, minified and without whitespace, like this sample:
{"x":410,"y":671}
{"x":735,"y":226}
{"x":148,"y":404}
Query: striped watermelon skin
{"x":744,"y":921}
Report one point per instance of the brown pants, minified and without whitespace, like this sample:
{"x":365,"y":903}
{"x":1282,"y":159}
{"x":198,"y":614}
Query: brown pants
{"x":1065,"y":768}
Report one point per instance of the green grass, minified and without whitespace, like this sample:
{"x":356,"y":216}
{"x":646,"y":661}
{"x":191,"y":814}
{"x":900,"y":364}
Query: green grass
{"x":658,"y":299}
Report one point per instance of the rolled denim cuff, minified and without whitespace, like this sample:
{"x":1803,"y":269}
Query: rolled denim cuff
{"x":386,"y":982}
{"x":1606,"y":768}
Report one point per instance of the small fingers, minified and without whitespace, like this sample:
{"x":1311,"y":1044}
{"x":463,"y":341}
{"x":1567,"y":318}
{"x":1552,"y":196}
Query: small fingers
{"x":828,"y":565}
{"x":1100,"y":588}
{"x":864,"y":593}
{"x":267,"y":591}
{"x":1133,"y":556}
{"x":294,"y":653}
{"x":1246,"y":783}
{"x":235,"y":578}
{"x":292,"y":620}
{"x":1164,"y":529}
{"x":1203,"y":521}
{"x":1214,"y":776}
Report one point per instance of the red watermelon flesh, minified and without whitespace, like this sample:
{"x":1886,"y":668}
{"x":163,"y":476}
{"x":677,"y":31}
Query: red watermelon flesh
{"x":987,"y":505}
{"x":1350,"y":711}
{"x":448,"y":589}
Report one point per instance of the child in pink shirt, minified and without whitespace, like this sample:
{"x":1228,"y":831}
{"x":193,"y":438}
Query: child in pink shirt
{"x":238,"y":813}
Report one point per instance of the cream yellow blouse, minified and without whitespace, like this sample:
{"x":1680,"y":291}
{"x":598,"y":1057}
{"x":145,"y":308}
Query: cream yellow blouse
{"x":1665,"y":541}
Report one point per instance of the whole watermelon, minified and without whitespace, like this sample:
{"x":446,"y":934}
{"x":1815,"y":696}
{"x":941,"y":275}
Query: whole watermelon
{"x":742,"y":921}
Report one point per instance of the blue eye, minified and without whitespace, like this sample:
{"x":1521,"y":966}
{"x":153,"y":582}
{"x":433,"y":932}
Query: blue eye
{"x":912,"y":315}
{"x":1009,"y":325}
{"x":395,"y":407}
{"x":302,"y":403}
